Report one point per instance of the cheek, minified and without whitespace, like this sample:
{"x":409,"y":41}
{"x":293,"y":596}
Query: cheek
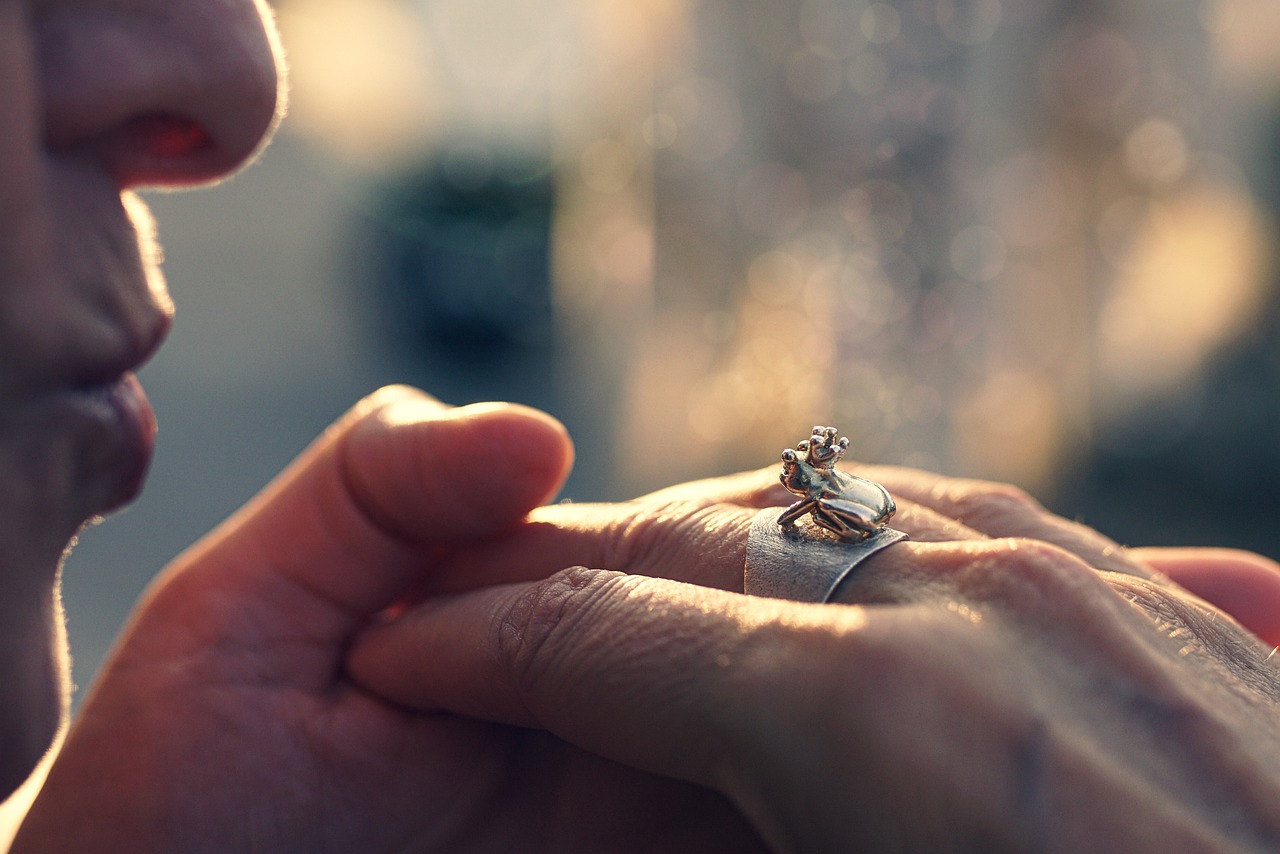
{"x":22,"y":218}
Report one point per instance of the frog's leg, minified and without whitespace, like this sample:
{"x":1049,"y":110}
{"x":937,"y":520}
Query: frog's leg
{"x":795,"y":511}
{"x":846,"y":519}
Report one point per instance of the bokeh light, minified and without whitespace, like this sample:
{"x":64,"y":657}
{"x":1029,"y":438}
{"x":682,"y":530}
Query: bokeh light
{"x":976,"y":235}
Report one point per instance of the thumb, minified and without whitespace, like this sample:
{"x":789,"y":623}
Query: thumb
{"x":339,"y":535}
{"x":1244,"y":584}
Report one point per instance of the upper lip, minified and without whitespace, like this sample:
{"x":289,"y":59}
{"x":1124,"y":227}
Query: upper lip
{"x":94,"y":307}
{"x":141,"y":347}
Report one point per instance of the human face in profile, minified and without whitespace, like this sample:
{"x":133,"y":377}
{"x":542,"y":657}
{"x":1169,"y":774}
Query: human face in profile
{"x":97,"y":98}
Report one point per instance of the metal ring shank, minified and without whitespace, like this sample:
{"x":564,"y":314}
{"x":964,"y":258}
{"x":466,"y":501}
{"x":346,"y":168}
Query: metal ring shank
{"x":806,"y":563}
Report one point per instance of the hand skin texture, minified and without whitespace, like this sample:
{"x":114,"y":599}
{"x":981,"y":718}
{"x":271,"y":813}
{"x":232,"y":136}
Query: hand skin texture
{"x":1005,"y":681}
{"x":223,"y":721}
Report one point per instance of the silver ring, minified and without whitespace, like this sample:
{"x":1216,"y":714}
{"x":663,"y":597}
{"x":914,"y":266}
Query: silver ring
{"x":803,"y":563}
{"x":840,"y":520}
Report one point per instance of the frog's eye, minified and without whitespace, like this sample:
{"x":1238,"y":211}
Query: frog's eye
{"x":789,"y":456}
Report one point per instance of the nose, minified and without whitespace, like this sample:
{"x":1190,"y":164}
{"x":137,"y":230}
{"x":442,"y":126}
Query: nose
{"x":162,"y":92}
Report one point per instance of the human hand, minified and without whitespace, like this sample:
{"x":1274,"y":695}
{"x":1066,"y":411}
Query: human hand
{"x":1008,"y":680}
{"x":223,"y":721}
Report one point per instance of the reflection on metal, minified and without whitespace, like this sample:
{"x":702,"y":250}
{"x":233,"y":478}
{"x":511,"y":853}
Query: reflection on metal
{"x":853,"y":508}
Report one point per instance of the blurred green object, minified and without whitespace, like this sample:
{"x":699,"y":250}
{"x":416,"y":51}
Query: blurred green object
{"x":460,"y":251}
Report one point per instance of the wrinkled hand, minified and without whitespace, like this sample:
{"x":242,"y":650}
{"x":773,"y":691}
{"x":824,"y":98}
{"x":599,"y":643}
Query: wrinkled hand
{"x":223,"y":721}
{"x":1007,"y":680}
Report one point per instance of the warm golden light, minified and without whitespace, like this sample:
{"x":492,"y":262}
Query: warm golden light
{"x":973,"y":234}
{"x":363,"y":78}
{"x":1187,"y":281}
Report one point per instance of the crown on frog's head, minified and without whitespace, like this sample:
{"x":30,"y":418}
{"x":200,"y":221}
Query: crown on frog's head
{"x":821,"y":450}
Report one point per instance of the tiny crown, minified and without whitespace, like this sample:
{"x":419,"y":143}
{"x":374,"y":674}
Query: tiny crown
{"x":821,"y":449}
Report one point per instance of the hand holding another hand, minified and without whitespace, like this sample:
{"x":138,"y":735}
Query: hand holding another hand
{"x":224,"y":721}
{"x":1006,"y":680}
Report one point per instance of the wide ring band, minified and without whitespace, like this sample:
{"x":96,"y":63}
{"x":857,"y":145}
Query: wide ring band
{"x":803,"y":563}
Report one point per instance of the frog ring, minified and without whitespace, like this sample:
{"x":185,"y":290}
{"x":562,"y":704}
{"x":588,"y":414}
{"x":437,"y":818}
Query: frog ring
{"x":840,"y":520}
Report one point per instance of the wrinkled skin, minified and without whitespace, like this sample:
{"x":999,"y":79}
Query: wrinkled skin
{"x":1006,"y":680}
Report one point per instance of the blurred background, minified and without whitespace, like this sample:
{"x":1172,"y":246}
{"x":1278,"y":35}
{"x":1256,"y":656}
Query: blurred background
{"x":1031,"y":241}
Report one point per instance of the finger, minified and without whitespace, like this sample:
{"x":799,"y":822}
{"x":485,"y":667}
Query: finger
{"x":349,"y":523}
{"x":759,"y":488}
{"x":640,"y":670}
{"x":709,"y":687}
{"x":1244,"y":584}
{"x":999,"y":510}
{"x":689,"y":541}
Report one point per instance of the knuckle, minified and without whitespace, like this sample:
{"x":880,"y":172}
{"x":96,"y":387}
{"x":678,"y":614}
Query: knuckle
{"x":1156,"y":601}
{"x":824,"y":672}
{"x":627,"y":539}
{"x":979,"y":501}
{"x":548,"y":621}
{"x":1197,"y":628}
{"x":654,"y":532}
{"x":896,"y":659}
{"x":801,"y":666}
{"x":1036,"y":580}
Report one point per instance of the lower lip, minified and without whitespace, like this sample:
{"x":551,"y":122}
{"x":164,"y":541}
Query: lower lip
{"x":116,"y":430}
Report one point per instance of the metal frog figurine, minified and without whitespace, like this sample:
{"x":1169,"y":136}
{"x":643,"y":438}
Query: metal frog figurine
{"x":852,"y":508}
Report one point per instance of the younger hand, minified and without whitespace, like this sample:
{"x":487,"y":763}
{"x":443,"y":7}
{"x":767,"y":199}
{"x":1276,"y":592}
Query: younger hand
{"x":224,"y":722}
